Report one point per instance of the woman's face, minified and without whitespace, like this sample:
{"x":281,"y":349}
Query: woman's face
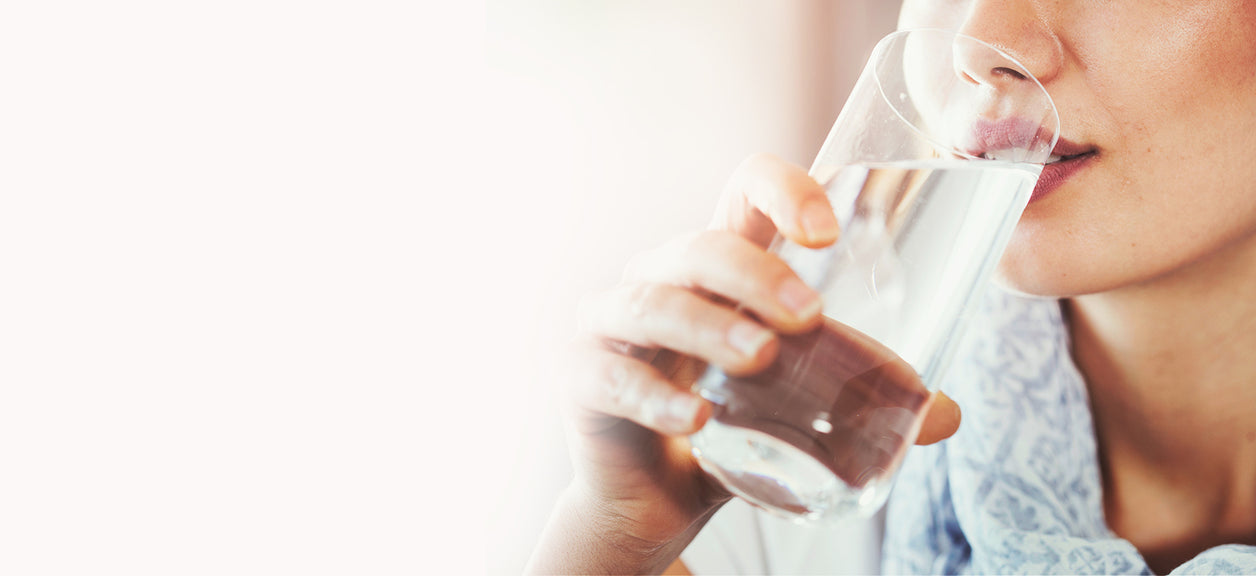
{"x":1160,"y":96}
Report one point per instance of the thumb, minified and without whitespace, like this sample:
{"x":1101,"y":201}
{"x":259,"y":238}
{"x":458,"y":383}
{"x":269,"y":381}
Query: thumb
{"x":941,"y":421}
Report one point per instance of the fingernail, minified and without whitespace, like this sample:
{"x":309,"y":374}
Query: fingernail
{"x":799,"y":299}
{"x":818,"y":222}
{"x":748,"y":338}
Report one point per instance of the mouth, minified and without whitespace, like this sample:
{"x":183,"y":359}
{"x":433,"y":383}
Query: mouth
{"x":1057,"y":158}
{"x":1013,"y":139}
{"x":1065,"y":150}
{"x":1066,"y":160}
{"x":1018,"y":139}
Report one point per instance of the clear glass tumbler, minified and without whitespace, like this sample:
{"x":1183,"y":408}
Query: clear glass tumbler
{"x":929,"y":166}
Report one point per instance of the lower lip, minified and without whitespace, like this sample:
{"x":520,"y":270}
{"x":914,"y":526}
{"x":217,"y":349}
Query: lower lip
{"x":1056,"y":174}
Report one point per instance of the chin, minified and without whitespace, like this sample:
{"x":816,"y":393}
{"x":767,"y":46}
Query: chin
{"x":1026,"y":289}
{"x":1041,"y":262}
{"x":1034,"y":274}
{"x":1047,"y":274}
{"x":1022,"y":289}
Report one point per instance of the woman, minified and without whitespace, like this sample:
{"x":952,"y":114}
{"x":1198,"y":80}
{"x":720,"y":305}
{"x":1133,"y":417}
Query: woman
{"x":1144,"y":262}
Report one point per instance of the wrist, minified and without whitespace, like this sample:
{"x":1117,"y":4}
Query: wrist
{"x":650,"y":521}
{"x":589,"y":533}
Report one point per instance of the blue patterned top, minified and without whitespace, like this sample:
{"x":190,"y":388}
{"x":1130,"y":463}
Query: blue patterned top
{"x":1017,"y":490}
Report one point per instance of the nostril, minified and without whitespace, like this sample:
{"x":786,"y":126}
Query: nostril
{"x":1001,"y":71}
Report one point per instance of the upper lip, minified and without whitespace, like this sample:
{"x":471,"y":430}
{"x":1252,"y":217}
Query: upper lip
{"x":1013,"y":138}
{"x":994,"y":139}
{"x":1004,"y":133}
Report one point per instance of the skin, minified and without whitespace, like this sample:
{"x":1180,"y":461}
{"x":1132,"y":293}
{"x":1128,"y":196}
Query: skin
{"x":1152,"y":247}
{"x":1172,"y":121}
{"x":638,"y":496}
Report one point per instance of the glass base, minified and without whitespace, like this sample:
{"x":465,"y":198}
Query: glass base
{"x":776,"y":476}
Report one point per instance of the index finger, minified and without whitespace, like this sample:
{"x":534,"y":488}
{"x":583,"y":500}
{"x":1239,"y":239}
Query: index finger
{"x":767,"y":195}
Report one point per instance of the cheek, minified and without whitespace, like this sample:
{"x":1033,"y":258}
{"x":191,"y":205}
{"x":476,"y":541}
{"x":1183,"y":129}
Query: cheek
{"x":1198,"y":67}
{"x":1176,"y":120}
{"x":1184,"y":112}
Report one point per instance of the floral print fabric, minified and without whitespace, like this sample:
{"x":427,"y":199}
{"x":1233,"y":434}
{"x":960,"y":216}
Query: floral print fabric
{"x":1017,"y":489}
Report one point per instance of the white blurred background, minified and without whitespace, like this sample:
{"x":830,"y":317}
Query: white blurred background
{"x":281,"y":282}
{"x":613,"y":127}
{"x":220,"y":314}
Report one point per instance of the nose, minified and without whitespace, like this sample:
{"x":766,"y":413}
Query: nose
{"x":1018,"y":29}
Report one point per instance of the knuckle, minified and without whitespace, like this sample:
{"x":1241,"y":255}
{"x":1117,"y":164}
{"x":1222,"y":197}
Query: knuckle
{"x":747,"y":271}
{"x":698,"y":247}
{"x":715,"y":339}
{"x":775,"y":273}
{"x":749,"y":169}
{"x":688,"y":244}
{"x":645,"y":300}
{"x":636,"y":265}
{"x":710,"y":252}
{"x":772,"y":270}
{"x":758,"y":162}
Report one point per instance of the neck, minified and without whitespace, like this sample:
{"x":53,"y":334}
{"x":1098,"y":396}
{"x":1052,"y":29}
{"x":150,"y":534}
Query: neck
{"x":1171,"y":370}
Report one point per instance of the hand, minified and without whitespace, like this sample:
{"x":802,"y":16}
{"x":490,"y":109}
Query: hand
{"x":647,"y":340}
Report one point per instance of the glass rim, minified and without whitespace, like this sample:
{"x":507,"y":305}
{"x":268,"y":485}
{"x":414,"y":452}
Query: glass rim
{"x":878,"y":53}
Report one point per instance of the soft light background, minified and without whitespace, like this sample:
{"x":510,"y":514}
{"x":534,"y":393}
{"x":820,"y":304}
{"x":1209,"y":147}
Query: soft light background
{"x":281,"y":282}
{"x":612,"y":128}
{"x":221,"y":308}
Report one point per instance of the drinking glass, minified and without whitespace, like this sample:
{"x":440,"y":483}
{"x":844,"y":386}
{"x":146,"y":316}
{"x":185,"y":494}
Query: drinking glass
{"x":928,"y":167}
